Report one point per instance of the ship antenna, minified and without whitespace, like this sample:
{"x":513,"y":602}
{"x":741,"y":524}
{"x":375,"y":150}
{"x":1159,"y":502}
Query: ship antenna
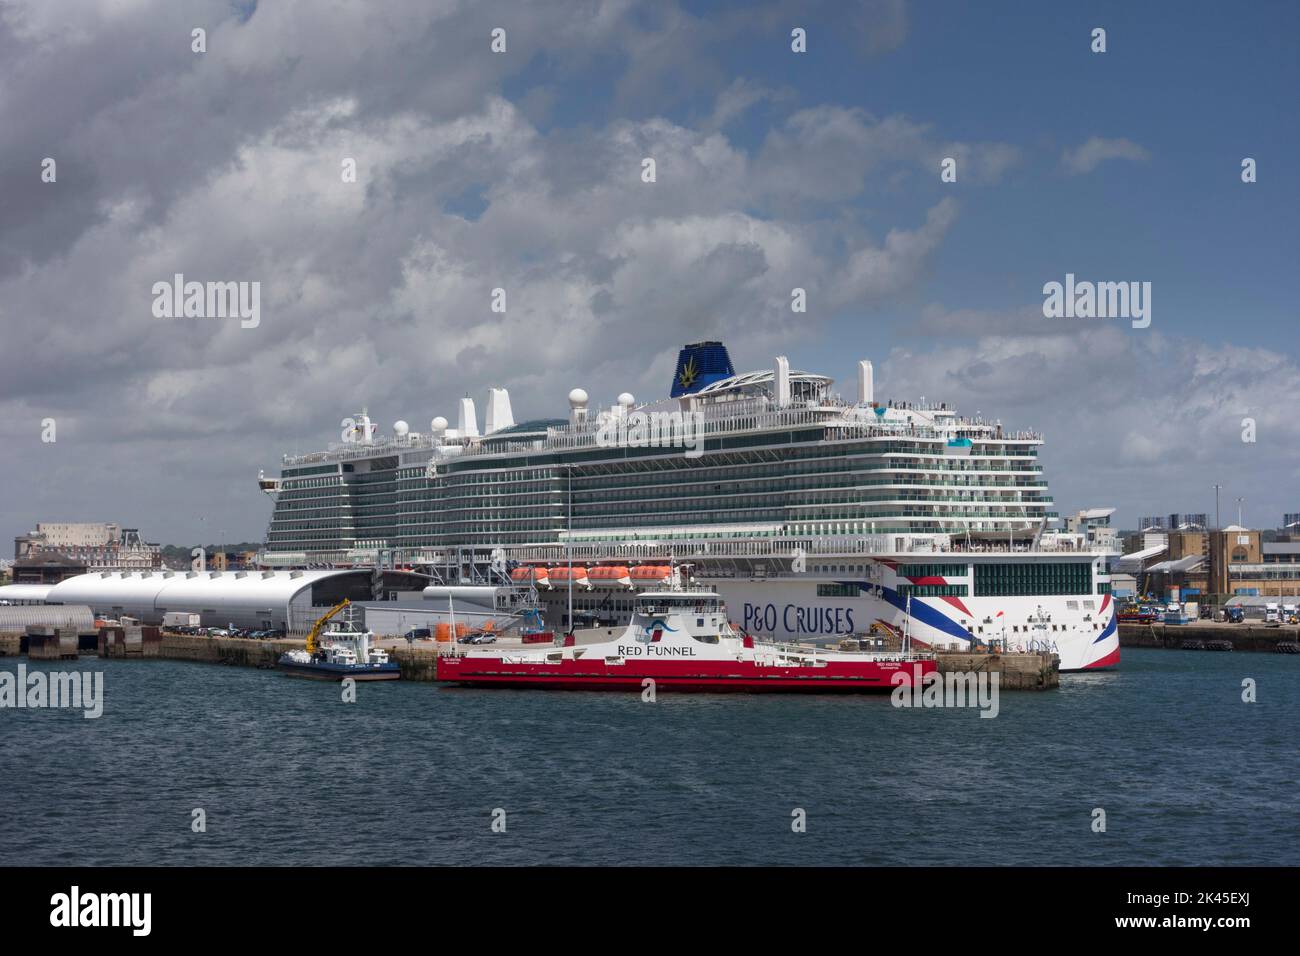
{"x":907,"y":625}
{"x":451,"y":610}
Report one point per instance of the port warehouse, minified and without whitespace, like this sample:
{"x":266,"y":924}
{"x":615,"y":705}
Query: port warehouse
{"x":287,"y":600}
{"x":18,"y":618}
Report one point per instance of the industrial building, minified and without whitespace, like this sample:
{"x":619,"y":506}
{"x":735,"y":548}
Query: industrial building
{"x":474,"y":606}
{"x":1194,"y":562}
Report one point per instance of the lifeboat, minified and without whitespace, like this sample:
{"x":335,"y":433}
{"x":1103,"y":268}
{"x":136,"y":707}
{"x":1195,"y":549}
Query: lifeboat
{"x":652,"y":574}
{"x":562,"y":576}
{"x":612,"y":575}
{"x":536,"y":575}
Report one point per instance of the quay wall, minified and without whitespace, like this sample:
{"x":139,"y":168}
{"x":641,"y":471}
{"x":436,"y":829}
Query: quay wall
{"x":237,"y":651}
{"x":1018,"y":671}
{"x":1244,"y":637}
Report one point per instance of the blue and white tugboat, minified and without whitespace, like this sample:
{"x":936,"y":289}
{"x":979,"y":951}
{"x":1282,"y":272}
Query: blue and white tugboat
{"x":342,"y":651}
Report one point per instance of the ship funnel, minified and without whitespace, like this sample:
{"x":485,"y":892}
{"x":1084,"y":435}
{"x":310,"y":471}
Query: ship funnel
{"x":467,"y":423}
{"x":700,"y":364}
{"x":577,"y":406}
{"x":781,"y":381}
{"x":499,"y":415}
{"x":866,"y":383}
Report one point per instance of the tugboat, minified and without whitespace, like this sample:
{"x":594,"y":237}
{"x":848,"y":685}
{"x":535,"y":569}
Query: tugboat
{"x":342,"y":651}
{"x":681,"y":640}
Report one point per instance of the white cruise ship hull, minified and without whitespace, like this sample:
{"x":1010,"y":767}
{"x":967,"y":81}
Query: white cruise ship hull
{"x":1081,"y":630}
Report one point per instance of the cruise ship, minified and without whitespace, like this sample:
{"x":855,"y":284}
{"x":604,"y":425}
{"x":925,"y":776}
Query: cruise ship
{"x":814,"y":516}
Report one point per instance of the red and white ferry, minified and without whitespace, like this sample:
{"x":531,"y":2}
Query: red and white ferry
{"x":681,"y":640}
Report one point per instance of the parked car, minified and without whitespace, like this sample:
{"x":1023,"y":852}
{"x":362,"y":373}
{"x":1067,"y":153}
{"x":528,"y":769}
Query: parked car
{"x":417,"y":634}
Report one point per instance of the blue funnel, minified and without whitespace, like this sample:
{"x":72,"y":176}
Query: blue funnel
{"x":698,"y":365}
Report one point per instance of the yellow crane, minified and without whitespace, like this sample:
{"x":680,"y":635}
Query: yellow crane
{"x":315,"y":628}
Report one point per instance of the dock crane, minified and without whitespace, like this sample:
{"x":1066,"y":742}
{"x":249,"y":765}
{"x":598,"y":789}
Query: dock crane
{"x":320,"y":622}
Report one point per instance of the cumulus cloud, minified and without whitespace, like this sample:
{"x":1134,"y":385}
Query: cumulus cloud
{"x":227,"y":167}
{"x":827,"y":153}
{"x":1089,"y":155}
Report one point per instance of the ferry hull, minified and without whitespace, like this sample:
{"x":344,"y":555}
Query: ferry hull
{"x":698,"y":676}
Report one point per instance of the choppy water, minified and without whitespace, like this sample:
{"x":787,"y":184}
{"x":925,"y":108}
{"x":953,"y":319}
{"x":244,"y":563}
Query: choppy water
{"x":410,"y":774}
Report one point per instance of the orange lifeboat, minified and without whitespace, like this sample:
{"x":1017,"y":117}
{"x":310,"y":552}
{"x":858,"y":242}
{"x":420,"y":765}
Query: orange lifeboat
{"x":562,"y":576}
{"x":610,"y":575}
{"x":537,"y":575}
{"x":652,"y":574}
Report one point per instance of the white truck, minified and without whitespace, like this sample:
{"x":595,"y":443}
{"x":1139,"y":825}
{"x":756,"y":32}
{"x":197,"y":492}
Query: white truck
{"x":181,"y":619}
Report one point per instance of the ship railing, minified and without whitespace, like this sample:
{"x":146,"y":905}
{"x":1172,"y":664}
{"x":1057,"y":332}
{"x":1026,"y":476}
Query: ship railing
{"x":787,"y":547}
{"x":783,"y":547}
{"x":349,"y":451}
{"x":732,"y":421}
{"x":811,"y":652}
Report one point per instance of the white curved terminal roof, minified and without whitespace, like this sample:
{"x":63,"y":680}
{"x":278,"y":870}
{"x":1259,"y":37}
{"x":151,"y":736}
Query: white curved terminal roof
{"x":25,"y":593}
{"x":187,"y":591}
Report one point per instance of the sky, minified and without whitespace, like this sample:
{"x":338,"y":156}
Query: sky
{"x":522,"y":170}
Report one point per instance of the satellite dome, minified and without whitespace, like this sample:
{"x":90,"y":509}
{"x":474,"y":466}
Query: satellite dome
{"x":400,"y":428}
{"x":439,"y":424}
{"x":627,"y":399}
{"x":577,"y":397}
